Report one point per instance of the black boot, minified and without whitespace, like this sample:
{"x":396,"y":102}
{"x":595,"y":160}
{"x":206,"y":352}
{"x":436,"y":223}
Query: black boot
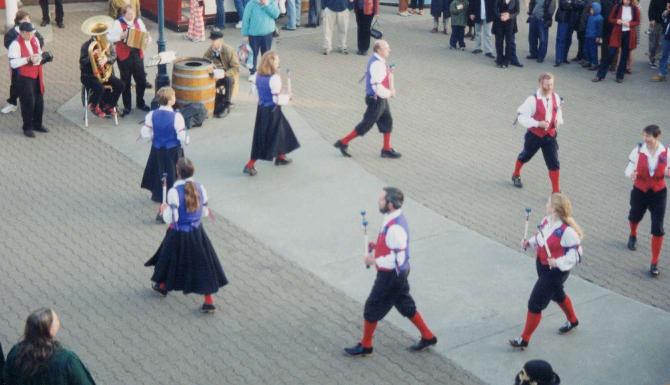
{"x":358,"y":351}
{"x":519,"y":343}
{"x":343,"y":148}
{"x":632,"y":240}
{"x":392,"y":154}
{"x":516,"y":181}
{"x":653,"y":270}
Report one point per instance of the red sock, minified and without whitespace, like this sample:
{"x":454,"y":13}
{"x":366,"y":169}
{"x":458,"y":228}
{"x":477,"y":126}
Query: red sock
{"x":517,"y":168}
{"x":208,"y":299}
{"x":633,"y":228}
{"x":281,"y":156}
{"x":532,"y":320}
{"x":553,"y":176}
{"x":417,"y":320}
{"x":656,"y":245}
{"x":569,"y":311}
{"x":368,"y":331}
{"x":350,"y":136}
{"x":250,"y":163}
{"x":387,"y":141}
{"x":161,"y":285}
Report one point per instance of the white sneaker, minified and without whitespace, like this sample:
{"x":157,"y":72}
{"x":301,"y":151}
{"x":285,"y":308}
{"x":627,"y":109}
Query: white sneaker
{"x":252,"y":78}
{"x":8,"y":108}
{"x":238,"y":25}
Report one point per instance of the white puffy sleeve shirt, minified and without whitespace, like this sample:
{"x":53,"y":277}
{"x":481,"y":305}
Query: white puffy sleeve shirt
{"x":526,"y":111}
{"x":569,"y":240}
{"x":396,"y":239}
{"x":147,"y":130}
{"x":171,"y":213}
{"x":275,"y":88}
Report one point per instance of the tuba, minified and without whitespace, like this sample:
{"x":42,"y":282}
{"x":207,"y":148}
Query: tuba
{"x":98,"y":26}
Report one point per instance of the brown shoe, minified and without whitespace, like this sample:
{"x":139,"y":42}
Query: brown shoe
{"x":657,"y":78}
{"x":434,"y":30}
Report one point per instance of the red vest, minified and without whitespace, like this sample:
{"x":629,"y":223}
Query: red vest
{"x":122,"y":49}
{"x":656,"y":182}
{"x":387,"y":80}
{"x":554,"y":242}
{"x":540,"y":114}
{"x":29,"y":70}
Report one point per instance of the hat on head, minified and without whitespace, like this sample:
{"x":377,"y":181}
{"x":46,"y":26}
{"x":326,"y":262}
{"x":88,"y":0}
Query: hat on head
{"x":537,"y":372}
{"x":26,"y":27}
{"x":215,"y":34}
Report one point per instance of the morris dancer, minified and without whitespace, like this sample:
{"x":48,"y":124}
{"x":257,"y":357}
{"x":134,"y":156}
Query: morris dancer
{"x":378,"y":88}
{"x":648,"y":167}
{"x":541,"y":114}
{"x":186,"y":260}
{"x":391,"y":287}
{"x":558,"y":250}
{"x":273,"y":135}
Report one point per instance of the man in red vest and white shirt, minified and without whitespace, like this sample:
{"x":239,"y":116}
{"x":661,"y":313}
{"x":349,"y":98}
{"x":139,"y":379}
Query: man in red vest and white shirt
{"x":130,"y":60}
{"x":648,"y":168}
{"x":25,"y":55}
{"x":541,"y":114}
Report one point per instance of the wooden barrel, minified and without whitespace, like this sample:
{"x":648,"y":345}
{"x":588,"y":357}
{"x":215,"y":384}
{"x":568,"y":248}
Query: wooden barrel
{"x":193,"y":82}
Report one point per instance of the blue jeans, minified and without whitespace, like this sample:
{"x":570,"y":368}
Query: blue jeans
{"x":591,"y":50}
{"x":537,"y":38}
{"x":293,"y":10}
{"x":663,"y":63}
{"x":220,"y":21}
{"x":563,"y":42}
{"x":259,"y":43}
{"x":239,"y":7}
{"x":314,"y":14}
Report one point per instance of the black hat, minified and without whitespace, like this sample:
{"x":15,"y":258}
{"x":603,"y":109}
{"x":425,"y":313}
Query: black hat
{"x":26,"y":27}
{"x":215,"y":34}
{"x":539,"y":372}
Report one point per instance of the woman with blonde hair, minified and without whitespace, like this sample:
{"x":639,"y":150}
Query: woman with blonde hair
{"x":558,"y":248}
{"x":273,"y":135}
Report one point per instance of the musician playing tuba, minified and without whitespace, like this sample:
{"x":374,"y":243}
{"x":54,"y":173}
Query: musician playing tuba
{"x":130,"y":55}
{"x":95,"y":62}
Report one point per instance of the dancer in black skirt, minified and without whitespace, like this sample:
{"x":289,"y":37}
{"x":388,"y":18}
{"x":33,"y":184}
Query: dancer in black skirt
{"x":167,"y":131}
{"x":186,"y":260}
{"x":273,"y":135}
{"x":558,"y":251}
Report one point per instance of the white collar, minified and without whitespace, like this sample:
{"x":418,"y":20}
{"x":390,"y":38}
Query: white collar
{"x":539,"y":94}
{"x":391,"y":216}
{"x":551,"y":226}
{"x":182,"y":181}
{"x":381,"y":59}
{"x":128,"y":22}
{"x":646,"y":151}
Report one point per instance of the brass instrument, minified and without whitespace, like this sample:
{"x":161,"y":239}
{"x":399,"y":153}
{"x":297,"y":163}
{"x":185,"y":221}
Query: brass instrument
{"x":99,"y":48}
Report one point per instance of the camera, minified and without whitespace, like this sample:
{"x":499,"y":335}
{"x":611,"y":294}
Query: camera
{"x":47,"y":57}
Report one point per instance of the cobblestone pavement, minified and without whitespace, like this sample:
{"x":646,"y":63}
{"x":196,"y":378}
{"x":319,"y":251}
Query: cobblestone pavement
{"x":452,"y":121}
{"x":77,"y":231}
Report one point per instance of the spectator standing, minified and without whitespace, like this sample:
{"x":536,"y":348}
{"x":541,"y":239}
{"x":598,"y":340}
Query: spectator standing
{"x":540,"y":16}
{"x":665,"y":40}
{"x":44,"y":4}
{"x":440,"y":8}
{"x":624,"y":18}
{"x":293,"y":13}
{"x":239,"y":7}
{"x":656,"y":30}
{"x":563,"y":33}
{"x":336,"y":15}
{"x":314,"y":13}
{"x":576,"y":21}
{"x":259,"y":26}
{"x":196,"y":23}
{"x":505,"y":27}
{"x":403,"y":6}
{"x":416,"y":7}
{"x":592,"y":37}
{"x":481,"y":12}
{"x":365,"y":11}
{"x":220,"y":20}
{"x":458,"y":10}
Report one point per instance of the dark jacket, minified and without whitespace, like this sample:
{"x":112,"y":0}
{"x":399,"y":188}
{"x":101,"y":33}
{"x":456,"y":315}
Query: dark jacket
{"x":337,"y":5}
{"x":501,"y":7}
{"x":12,"y":34}
{"x":63,"y":368}
{"x":656,"y":8}
{"x":458,"y":16}
{"x":475,"y":8}
{"x":547,"y":12}
{"x":564,"y":11}
{"x":666,"y":25}
{"x":594,"y":24}
{"x":85,"y":60}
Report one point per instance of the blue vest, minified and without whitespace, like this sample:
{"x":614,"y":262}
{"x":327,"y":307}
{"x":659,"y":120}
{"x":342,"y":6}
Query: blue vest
{"x":264,"y":92}
{"x":165,"y":135}
{"x":188,"y":221}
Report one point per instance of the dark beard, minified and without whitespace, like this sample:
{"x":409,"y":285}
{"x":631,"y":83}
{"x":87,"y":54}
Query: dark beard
{"x":384,"y":210}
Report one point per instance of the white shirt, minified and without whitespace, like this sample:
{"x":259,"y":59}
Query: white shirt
{"x":171,"y":213}
{"x":626,"y":15}
{"x":396,"y":238}
{"x":570,"y":240}
{"x":275,"y":88}
{"x":115,"y":32}
{"x":527,"y":110}
{"x":14,"y":53}
{"x":482,"y":6}
{"x":147,"y":131}
{"x":652,"y":160}
{"x":377,"y":75}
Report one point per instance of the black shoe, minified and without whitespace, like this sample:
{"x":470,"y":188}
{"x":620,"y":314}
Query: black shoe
{"x":557,"y":64}
{"x":45,"y":23}
{"x":500,"y":66}
{"x":223,"y":113}
{"x":311,"y":25}
{"x":148,"y":86}
{"x":653,"y":270}
{"x":632,"y":240}
{"x":423,"y":344}
{"x":517,"y":64}
{"x":282,"y":161}
{"x":159,"y":219}
{"x":540,"y":60}
{"x":518,"y":343}
{"x":125,"y":112}
{"x":358,"y":351}
{"x":596,"y":79}
{"x":568,"y":327}
{"x":207,"y":308}
{"x":531,"y":57}
{"x":343,"y":148}
{"x":60,"y":24}
{"x":566,"y":61}
{"x":251,"y":171}
{"x":516,"y":181}
{"x":42,"y":129}
{"x":393,"y":154}
{"x":362,"y":53}
{"x":490,"y":55}
{"x":619,"y":80}
{"x":156,"y":287}
{"x":477,"y":51}
{"x":576,"y":58}
{"x":29,"y":133}
{"x":275,"y":33}
{"x":144,"y":108}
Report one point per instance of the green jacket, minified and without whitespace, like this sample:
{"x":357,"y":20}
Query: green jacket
{"x":226,"y":60}
{"x":63,"y":368}
{"x":259,"y":20}
{"x":458,"y":16}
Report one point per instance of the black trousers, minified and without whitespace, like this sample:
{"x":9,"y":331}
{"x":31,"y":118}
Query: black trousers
{"x":363,"y":22}
{"x":221,"y":101}
{"x":548,"y":287}
{"x":549,"y":145}
{"x":655,"y":202}
{"x":45,"y":10}
{"x":612,"y":56}
{"x":13,"y":88}
{"x":377,"y":111}
{"x":581,"y":38}
{"x":99,"y":94}
{"x":505,"y":44}
{"x":32,"y":102}
{"x":133,"y":67}
{"x":389,"y":290}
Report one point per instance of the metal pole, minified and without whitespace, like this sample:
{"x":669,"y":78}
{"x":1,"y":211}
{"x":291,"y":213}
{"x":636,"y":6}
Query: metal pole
{"x":11,"y":6}
{"x":162,"y":78}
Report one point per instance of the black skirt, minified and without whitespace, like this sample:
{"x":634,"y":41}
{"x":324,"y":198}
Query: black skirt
{"x":273,"y":134}
{"x":163,"y":160}
{"x":187,"y":261}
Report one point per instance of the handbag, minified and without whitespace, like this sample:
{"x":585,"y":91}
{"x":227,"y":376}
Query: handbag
{"x":375,"y":31}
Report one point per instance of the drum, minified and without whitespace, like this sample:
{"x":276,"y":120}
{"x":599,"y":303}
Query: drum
{"x":193,"y":82}
{"x":137,"y":39}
